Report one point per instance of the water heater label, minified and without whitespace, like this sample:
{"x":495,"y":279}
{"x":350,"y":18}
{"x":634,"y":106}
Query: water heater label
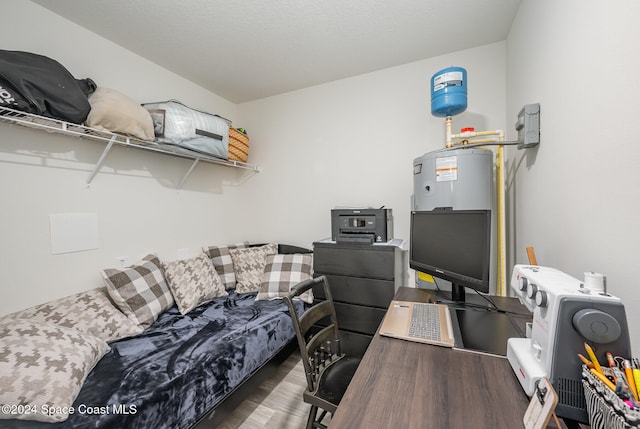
{"x":447,"y":169}
{"x":447,"y":79}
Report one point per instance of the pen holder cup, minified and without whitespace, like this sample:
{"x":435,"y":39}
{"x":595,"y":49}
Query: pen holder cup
{"x":604,"y":408}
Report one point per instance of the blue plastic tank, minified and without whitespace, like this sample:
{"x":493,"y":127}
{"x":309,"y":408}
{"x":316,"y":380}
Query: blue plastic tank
{"x":449,"y":92}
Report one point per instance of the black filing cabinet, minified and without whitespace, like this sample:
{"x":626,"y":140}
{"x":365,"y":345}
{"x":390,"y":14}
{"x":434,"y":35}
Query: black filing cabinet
{"x":363,"y":279}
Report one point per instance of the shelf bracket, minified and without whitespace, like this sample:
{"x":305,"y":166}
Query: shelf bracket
{"x":101,"y":160}
{"x":184,"y":179}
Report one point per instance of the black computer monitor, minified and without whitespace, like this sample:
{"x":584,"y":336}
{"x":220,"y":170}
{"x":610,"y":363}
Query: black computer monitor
{"x":453,"y":245}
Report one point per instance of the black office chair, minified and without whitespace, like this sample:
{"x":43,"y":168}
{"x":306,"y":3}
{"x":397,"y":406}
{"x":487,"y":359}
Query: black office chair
{"x":328,"y":371}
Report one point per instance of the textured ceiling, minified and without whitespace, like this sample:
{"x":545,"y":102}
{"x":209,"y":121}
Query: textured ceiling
{"x":250,"y":49}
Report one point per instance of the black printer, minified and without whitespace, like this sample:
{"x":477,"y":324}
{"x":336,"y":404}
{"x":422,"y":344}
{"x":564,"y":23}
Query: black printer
{"x":361,"y":225}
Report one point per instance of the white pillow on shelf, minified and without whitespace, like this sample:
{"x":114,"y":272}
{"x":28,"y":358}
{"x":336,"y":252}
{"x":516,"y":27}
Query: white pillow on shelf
{"x":115,"y":112}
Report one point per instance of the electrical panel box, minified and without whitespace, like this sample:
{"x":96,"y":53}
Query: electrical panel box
{"x":528,"y":126}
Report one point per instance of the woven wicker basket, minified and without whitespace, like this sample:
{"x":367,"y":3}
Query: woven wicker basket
{"x":238,"y":145}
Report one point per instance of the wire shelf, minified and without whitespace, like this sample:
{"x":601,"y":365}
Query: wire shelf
{"x":51,"y":125}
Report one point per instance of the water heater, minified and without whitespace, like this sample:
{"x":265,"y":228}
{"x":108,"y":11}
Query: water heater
{"x":461,"y":179}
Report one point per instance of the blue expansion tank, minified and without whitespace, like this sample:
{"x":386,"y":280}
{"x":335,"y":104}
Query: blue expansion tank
{"x":449,"y":92}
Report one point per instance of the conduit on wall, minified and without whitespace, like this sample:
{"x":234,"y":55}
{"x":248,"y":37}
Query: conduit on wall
{"x":471,"y":138}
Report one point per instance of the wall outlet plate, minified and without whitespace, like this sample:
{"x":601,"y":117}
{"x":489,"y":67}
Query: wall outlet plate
{"x":528,"y":126}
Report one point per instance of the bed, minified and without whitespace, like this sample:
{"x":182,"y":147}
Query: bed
{"x":184,"y":370}
{"x":182,"y":367}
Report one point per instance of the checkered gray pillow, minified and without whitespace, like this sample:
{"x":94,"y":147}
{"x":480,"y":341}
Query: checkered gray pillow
{"x":248,"y":264}
{"x":91,"y":312}
{"x":140,"y":291}
{"x":43,"y":367}
{"x":282,"y":272}
{"x":193,"y":282}
{"x":221,"y":259}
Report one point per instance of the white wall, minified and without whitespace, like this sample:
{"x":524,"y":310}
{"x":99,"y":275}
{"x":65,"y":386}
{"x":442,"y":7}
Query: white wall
{"x":134,"y":196}
{"x":349,"y":142}
{"x":352,"y":142}
{"x":575,"y":198}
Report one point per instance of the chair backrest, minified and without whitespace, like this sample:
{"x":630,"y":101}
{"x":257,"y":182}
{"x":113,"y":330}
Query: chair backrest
{"x":316,"y":330}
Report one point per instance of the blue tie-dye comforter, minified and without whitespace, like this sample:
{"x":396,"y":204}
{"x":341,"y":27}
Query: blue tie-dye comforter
{"x":181,"y":367}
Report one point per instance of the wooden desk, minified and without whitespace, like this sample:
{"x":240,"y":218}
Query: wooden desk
{"x":402,"y":384}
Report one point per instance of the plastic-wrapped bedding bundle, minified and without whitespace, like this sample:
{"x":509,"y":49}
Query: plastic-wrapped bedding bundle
{"x":179,"y":125}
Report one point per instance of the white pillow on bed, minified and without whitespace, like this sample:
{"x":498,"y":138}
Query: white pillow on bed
{"x":43,"y":368}
{"x":223,"y":263}
{"x":140,"y":291}
{"x":91,"y":312}
{"x":193,"y":282}
{"x":282,"y":272}
{"x":249,"y":264}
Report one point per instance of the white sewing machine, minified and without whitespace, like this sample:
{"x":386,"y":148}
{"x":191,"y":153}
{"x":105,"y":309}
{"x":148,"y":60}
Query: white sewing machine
{"x":566,"y":314}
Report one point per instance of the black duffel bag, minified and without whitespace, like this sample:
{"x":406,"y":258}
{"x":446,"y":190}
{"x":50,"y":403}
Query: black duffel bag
{"x":37,"y":84}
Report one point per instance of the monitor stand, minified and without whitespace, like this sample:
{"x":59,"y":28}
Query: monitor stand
{"x":457,"y":293}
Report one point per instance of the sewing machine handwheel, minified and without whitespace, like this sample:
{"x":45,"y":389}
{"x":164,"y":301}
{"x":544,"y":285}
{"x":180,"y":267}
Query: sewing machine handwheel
{"x":597,"y":326}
